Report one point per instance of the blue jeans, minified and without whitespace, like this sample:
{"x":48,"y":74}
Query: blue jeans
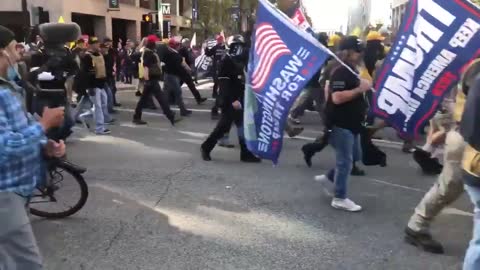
{"x":472,"y":258}
{"x":172,"y":85}
{"x":84,"y":107}
{"x":101,"y":109}
{"x":347,"y":150}
{"x":108,"y":91}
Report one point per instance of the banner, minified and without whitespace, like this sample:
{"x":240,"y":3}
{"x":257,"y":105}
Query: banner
{"x":203,"y":63}
{"x":300,"y":19}
{"x":283,"y":58}
{"x":436,"y":40}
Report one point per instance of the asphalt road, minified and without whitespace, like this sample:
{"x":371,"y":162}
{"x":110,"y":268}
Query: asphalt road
{"x":154,"y":204}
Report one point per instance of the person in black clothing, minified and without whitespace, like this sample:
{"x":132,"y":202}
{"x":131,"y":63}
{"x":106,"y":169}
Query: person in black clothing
{"x":152,"y":76}
{"x":345,"y":113}
{"x":374,"y":52}
{"x":174,"y":69}
{"x":314,"y":91}
{"x":109,"y":64}
{"x":118,"y":61}
{"x":187,"y":54}
{"x":128,"y":64}
{"x":110,"y":61}
{"x":217,"y":52}
{"x":232,"y":87}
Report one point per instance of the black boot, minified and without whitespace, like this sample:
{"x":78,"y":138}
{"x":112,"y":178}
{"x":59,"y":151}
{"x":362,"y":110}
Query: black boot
{"x":307,"y":155}
{"x":423,"y":241}
{"x":356,"y":171}
{"x":205,"y":150}
{"x":214,"y":114}
{"x":246,"y":155}
{"x":201,"y":100}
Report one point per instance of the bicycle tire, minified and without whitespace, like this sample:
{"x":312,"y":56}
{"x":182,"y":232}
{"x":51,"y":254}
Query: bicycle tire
{"x":79,"y":205}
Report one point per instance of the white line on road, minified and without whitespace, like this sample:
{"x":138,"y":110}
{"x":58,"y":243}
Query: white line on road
{"x":160,"y":114}
{"x":383,"y":143}
{"x":393,"y":185}
{"x":187,"y":97}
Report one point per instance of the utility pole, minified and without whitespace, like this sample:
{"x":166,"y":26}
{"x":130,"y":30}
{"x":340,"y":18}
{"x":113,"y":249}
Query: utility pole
{"x":26,"y":20}
{"x":160,"y":17}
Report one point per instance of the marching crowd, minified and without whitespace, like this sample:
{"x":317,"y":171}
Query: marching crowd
{"x":337,"y":94}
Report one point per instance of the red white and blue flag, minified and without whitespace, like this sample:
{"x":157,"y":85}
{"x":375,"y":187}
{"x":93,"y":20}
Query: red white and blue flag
{"x":269,"y":47}
{"x":283,"y":58}
{"x":435,"y":42}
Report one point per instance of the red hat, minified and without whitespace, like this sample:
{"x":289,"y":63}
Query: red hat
{"x":173,"y":42}
{"x":152,"y":38}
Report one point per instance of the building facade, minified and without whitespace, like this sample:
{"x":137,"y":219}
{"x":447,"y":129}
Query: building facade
{"x":398,"y":10}
{"x":117,"y":19}
{"x":359,"y":15}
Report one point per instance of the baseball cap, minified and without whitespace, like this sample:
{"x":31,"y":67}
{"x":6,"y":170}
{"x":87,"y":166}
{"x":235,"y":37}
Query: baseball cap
{"x":6,"y":37}
{"x":173,"y":42}
{"x":152,"y":38}
{"x":352,"y":43}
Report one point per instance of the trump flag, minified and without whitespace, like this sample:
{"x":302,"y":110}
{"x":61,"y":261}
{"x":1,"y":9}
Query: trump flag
{"x":437,"y":39}
{"x":283,"y":58}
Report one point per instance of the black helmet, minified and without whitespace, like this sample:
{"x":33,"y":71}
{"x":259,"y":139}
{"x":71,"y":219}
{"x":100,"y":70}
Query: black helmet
{"x":238,"y":39}
{"x":237,"y":46}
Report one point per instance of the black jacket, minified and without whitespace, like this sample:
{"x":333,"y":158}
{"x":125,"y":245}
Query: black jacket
{"x":109,"y":63}
{"x":232,"y":81}
{"x":187,"y":54}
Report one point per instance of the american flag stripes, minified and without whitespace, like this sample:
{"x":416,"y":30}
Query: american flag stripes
{"x":269,"y":47}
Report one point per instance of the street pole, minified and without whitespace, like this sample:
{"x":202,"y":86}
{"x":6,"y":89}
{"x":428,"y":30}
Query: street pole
{"x":26,"y":21}
{"x":160,"y":17}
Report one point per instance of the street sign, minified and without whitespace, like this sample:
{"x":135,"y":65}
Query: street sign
{"x":113,"y":4}
{"x":166,"y":10}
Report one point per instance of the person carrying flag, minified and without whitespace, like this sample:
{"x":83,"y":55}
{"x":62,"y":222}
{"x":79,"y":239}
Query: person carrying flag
{"x":346,"y":112}
{"x":232,"y":87}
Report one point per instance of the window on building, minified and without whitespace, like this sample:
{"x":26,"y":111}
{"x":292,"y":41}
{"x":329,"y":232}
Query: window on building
{"x":181,"y":6}
{"x":128,"y":2}
{"x":148,"y":4}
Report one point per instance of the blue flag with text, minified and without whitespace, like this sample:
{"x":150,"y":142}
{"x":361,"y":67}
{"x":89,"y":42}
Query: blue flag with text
{"x":283,"y":58}
{"x":437,"y":39}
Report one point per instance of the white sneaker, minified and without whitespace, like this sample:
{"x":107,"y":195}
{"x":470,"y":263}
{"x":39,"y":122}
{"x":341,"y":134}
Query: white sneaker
{"x":346,"y":204}
{"x":327,"y":185}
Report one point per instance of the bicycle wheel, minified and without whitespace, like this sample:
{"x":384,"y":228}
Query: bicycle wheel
{"x":60,"y":198}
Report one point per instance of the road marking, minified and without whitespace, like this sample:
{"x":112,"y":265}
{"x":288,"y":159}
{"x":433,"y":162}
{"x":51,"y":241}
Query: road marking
{"x":382,"y":143}
{"x":392,"y":185}
{"x":161,"y":114}
{"x":455,"y":211}
{"x":192,"y":141}
{"x":185,"y":97}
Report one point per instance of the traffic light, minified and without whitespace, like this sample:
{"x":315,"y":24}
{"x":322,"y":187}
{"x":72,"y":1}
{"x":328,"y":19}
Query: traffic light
{"x":147,"y":18}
